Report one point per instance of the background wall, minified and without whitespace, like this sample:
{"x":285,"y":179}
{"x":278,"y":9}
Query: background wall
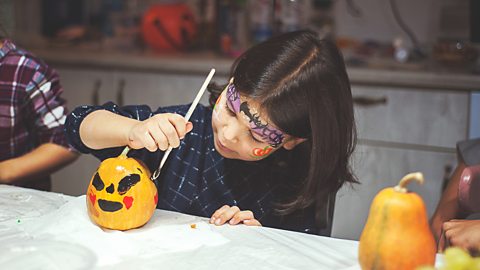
{"x":6,"y":16}
{"x":428,"y":19}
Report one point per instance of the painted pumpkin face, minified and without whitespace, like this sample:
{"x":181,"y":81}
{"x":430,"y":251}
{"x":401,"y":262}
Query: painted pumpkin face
{"x":121,"y":195}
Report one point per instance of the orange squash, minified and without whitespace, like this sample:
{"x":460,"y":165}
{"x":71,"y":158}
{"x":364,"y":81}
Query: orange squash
{"x":397,"y":234}
{"x":121,"y":195}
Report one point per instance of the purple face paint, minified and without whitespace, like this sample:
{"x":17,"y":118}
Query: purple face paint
{"x":233,"y":98}
{"x":272,"y":136}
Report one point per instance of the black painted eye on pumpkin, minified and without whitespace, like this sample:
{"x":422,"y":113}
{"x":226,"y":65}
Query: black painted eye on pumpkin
{"x":127,"y":182}
{"x":97,"y":182}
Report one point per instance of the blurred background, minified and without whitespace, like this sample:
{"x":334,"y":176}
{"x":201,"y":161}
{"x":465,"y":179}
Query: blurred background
{"x":413,"y":66}
{"x":372,"y":33}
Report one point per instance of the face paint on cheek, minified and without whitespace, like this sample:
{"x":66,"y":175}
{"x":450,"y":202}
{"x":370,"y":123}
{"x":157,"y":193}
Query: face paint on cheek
{"x":259,"y":152}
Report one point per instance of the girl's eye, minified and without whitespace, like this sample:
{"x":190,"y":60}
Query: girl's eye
{"x":255,"y":139}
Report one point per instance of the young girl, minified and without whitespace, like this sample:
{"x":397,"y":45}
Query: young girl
{"x":273,"y":151}
{"x":32,"y":114}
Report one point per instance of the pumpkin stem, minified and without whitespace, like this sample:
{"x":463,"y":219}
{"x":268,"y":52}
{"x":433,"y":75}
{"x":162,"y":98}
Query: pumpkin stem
{"x":125,"y":151}
{"x":401,"y":187}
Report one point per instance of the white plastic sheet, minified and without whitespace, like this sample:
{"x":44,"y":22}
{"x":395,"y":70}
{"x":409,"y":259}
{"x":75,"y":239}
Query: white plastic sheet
{"x":167,"y":241}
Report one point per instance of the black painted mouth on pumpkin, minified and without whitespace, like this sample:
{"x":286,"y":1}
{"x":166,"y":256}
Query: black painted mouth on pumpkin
{"x":109,"y":206}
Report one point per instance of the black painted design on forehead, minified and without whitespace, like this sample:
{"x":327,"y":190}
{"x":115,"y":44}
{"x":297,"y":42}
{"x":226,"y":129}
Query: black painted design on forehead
{"x":272,"y":136}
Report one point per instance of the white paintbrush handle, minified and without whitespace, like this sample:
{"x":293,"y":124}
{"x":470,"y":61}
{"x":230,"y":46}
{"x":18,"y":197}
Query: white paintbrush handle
{"x":199,"y":95}
{"x":187,"y":117}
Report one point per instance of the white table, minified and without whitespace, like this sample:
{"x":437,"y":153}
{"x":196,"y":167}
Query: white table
{"x":44,"y":230}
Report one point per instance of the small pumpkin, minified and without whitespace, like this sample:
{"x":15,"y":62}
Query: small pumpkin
{"x":397,"y":234}
{"x":121,"y":195}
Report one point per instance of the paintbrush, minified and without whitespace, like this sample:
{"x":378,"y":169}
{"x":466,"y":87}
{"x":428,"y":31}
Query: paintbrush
{"x":187,"y":117}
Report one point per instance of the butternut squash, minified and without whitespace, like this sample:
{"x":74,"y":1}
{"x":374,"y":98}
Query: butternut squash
{"x":397,"y":234}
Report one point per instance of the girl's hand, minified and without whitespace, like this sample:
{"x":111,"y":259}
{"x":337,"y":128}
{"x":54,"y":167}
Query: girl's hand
{"x":234,"y":216}
{"x":159,"y":132}
{"x":463,"y":233}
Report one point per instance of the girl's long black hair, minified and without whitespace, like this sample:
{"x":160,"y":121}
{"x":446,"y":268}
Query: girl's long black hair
{"x":302,"y":84}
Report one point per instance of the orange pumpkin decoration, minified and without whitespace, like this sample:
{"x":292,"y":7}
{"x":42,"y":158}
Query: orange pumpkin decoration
{"x":397,"y":234}
{"x":169,"y":27}
{"x":121,"y":195}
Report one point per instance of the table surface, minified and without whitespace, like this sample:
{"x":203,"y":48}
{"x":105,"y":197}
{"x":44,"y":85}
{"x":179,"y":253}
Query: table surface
{"x":45,"y":230}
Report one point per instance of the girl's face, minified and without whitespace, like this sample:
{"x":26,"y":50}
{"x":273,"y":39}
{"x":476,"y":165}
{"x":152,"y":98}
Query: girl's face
{"x":241,"y":131}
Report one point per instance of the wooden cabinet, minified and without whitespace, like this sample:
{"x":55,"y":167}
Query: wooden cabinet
{"x":86,"y":86}
{"x":160,"y":89}
{"x":412,"y":116}
{"x":378,"y":167}
{"x":83,"y":86}
{"x":400,"y":131}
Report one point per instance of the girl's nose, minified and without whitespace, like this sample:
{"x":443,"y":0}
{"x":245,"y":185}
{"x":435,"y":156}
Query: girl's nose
{"x":231,"y":131}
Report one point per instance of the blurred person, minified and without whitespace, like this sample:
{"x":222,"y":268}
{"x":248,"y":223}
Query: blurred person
{"x":451,"y":223}
{"x":32,"y":117}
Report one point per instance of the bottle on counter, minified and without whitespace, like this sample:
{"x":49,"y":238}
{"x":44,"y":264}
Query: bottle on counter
{"x":232,"y":26}
{"x":262,"y":19}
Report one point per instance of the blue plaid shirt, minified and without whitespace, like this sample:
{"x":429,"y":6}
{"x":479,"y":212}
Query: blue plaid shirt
{"x":197,"y":180}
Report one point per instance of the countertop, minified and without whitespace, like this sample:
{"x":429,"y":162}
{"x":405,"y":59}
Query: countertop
{"x":199,"y":63}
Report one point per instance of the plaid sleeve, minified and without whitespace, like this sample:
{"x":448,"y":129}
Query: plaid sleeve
{"x":47,"y":111}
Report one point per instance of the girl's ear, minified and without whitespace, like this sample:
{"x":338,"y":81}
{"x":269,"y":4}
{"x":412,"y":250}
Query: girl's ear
{"x":292,"y":142}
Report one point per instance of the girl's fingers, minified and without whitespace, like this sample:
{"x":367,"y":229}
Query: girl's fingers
{"x":189,"y":126}
{"x":218,"y":213}
{"x":448,"y":225}
{"x":241,"y":216}
{"x":459,"y":242}
{"x":452,"y":234}
{"x":159,"y":132}
{"x":170,"y":133}
{"x":181,"y":126}
{"x":252,"y":222}
{"x":158,"y":136}
{"x":149,"y":142}
{"x":227,"y":215}
{"x":234,"y":216}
